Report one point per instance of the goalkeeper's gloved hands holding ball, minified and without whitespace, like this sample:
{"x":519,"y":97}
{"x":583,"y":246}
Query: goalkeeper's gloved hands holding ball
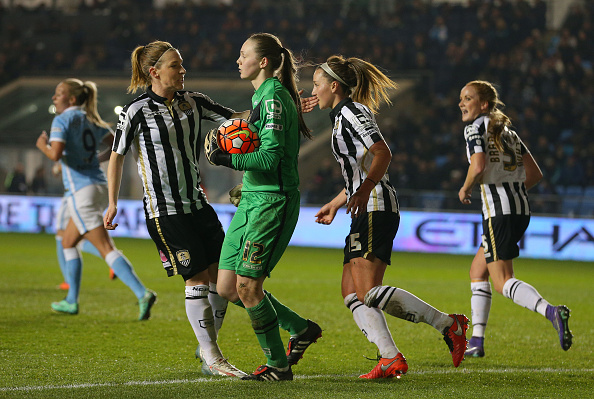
{"x":213,"y":153}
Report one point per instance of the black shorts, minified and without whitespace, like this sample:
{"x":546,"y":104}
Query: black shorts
{"x":372,"y":233}
{"x":187,"y":243}
{"x":501,"y":235}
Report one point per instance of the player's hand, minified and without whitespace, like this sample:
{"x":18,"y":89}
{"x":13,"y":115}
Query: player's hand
{"x":464,"y":196}
{"x":110,"y":214}
{"x":357,"y":204}
{"x":213,"y":153}
{"x":326,"y":214}
{"x":308,"y":103}
{"x":235,"y":194}
{"x":42,"y":140}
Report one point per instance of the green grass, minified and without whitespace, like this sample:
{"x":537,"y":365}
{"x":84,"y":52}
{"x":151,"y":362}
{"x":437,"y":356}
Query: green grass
{"x":105,"y":353}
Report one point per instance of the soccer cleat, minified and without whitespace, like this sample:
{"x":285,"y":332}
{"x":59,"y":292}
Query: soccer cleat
{"x":205,"y":368}
{"x":559,"y":316}
{"x":219,"y":367}
{"x":223,"y":368}
{"x":388,"y":368}
{"x":64,"y":286}
{"x":145,"y":304}
{"x":65,"y":307}
{"x":297,"y":345}
{"x":112,"y":275}
{"x":268,"y":373}
{"x":475,"y":347}
{"x":455,"y":337}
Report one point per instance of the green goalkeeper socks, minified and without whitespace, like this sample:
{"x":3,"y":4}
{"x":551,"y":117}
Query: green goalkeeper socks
{"x":287,"y":318}
{"x":265,"y":325}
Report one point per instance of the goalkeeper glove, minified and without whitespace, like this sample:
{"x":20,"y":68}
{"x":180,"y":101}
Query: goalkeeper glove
{"x":235,"y":194}
{"x":213,"y":153}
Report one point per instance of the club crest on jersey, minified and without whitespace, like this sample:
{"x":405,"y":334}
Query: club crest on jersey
{"x":183,"y":257}
{"x":185,"y":107}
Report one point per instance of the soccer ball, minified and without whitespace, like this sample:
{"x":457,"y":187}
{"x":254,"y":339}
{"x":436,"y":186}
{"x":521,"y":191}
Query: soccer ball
{"x":238,"y":136}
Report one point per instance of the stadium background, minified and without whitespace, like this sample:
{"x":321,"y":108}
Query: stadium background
{"x":539,"y":54}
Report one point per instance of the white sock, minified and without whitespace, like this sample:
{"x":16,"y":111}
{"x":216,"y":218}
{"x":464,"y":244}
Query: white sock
{"x":404,"y":305}
{"x":199,"y":313}
{"x":372,"y":323}
{"x":525,"y":295}
{"x":219,"y":306}
{"x":480,"y":303}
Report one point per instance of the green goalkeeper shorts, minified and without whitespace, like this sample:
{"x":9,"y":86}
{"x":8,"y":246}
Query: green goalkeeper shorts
{"x":259,"y":232}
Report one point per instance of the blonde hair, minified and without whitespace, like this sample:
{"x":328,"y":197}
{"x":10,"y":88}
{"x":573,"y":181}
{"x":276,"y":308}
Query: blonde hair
{"x":361,"y":80}
{"x":284,"y":65}
{"x":142,"y":59}
{"x":498,"y":120}
{"x":85,"y":94}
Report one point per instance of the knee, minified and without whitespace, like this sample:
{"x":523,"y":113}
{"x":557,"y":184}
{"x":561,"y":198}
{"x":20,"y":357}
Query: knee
{"x":228,"y":292}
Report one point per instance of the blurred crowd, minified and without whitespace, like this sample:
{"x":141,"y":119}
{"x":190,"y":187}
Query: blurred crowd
{"x":544,"y":76}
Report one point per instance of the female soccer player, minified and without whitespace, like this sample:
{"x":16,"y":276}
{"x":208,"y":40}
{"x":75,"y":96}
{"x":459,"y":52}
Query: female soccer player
{"x":267,"y":214}
{"x":354,"y":89}
{"x":505,"y":170}
{"x":163,"y":128}
{"x":75,"y":135}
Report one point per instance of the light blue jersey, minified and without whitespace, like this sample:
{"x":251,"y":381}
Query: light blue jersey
{"x":80,"y":165}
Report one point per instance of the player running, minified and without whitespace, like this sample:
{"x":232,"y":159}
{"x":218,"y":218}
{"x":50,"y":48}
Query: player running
{"x":505,"y":170}
{"x":354,"y":89}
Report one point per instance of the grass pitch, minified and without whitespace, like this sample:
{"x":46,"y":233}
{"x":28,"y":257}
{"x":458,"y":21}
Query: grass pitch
{"x":103,"y":352}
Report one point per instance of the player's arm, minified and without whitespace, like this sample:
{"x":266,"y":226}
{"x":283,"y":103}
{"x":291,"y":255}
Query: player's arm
{"x":53,"y":150}
{"x":327,"y":213}
{"x":476,"y":169}
{"x":107,"y":141}
{"x":242,"y":115}
{"x":533,"y":172}
{"x":114,"y":180}
{"x":379,"y":166}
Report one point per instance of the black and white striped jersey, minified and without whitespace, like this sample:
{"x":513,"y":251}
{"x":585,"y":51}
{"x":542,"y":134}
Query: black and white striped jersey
{"x":502,"y":189}
{"x":355,"y":131}
{"x":166,"y":143}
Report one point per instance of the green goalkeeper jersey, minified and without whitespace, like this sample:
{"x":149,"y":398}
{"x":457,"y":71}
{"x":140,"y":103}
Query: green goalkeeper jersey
{"x":273,"y":167}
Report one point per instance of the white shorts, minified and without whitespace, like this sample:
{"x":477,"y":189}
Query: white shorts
{"x":86,"y":207}
{"x":63,"y":216}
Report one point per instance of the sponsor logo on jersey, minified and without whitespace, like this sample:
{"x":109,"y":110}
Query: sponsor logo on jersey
{"x":273,"y":108}
{"x":183,"y":257}
{"x":251,"y":266}
{"x":152,"y":114}
{"x":273,"y":126}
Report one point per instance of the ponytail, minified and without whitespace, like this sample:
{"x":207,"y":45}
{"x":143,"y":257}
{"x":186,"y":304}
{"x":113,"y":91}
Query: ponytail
{"x":498,"y":121}
{"x":360,"y":80}
{"x":142,"y":59}
{"x":86,"y":97}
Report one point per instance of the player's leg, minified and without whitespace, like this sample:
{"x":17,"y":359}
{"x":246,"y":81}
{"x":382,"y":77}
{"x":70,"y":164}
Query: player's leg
{"x":178,"y":239}
{"x":372,"y":323}
{"x":480,"y":303}
{"x":122,"y":267}
{"x":502,"y":235}
{"x":62,"y":219}
{"x":73,"y":268}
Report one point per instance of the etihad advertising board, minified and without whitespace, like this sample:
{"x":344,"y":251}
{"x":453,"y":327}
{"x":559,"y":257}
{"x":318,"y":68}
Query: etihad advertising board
{"x":439,"y":232}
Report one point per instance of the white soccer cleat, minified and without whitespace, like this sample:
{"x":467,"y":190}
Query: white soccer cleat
{"x":224,"y":368}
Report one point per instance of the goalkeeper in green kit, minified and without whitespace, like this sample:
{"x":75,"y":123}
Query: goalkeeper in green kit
{"x":269,"y":207}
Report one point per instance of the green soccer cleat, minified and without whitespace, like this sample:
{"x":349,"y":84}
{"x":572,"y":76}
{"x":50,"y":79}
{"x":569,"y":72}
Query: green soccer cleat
{"x":146,"y":303}
{"x":65,"y":307}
